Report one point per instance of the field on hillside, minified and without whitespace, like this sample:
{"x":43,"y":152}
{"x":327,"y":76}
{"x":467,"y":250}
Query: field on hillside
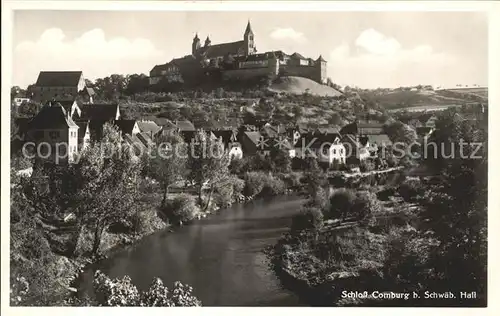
{"x":482,"y":92}
{"x":399,"y":100}
{"x":299,"y":85}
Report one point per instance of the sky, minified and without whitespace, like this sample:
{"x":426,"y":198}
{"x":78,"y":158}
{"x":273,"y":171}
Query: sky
{"x":363,"y":49}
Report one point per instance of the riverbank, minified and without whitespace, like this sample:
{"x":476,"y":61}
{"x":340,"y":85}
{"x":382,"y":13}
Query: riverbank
{"x":116,"y":243}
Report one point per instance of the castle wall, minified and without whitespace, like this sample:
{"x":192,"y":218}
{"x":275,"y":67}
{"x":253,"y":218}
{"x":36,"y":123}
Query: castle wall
{"x":245,"y":74}
{"x":311,"y":72}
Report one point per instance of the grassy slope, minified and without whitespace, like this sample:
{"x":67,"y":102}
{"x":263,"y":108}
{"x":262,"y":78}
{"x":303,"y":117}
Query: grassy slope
{"x":299,"y":85}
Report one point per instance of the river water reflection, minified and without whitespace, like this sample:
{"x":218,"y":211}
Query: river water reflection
{"x":221,"y":256}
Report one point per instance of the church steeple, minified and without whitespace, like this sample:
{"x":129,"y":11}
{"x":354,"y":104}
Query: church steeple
{"x":196,"y":44}
{"x":208,"y":41}
{"x":248,"y":29}
{"x":248,"y":39}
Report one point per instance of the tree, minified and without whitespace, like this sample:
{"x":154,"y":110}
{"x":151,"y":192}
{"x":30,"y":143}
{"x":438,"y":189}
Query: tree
{"x":280,"y":160}
{"x":168,"y":164}
{"x":16,"y":91}
{"x":399,"y":132}
{"x":106,"y":184}
{"x":310,"y":218}
{"x":457,"y":210}
{"x":208,"y":163}
{"x":341,"y":203}
{"x":28,"y":109}
{"x":314,"y":177}
{"x":136,"y":84}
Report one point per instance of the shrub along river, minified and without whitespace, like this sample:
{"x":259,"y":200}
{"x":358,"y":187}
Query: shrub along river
{"x":220,"y":256}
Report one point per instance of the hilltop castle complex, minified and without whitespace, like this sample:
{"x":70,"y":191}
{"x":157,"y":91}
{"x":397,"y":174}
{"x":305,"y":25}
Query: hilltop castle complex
{"x":237,"y":61}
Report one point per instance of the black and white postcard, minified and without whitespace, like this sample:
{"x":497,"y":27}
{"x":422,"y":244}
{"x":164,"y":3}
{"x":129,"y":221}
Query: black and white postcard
{"x":247,"y":154}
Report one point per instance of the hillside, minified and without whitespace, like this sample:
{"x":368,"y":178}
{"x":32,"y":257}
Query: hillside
{"x":405,"y":99}
{"x":299,"y":85}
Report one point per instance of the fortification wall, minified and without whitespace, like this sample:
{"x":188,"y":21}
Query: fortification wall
{"x":311,"y":72}
{"x":245,"y":74}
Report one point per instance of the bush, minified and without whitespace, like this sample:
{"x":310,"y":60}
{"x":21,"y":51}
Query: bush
{"x":366,"y":166}
{"x":273,"y":187}
{"x":229,"y":192}
{"x":147,"y":222}
{"x":310,"y":218}
{"x":341,"y":202}
{"x":410,"y":189}
{"x":182,"y":208}
{"x":254,"y":182}
{"x":366,"y":203}
{"x":292,"y":179}
{"x":121,"y":292}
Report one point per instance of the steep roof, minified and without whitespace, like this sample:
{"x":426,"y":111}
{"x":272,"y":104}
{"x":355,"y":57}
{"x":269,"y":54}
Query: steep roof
{"x":58,"y":78}
{"x":316,"y":140}
{"x":254,"y":137}
{"x":223,"y":49}
{"x":90,"y":91}
{"x":297,"y":56}
{"x":52,"y":116}
{"x":248,"y":30}
{"x":68,"y":104}
{"x":149,"y":127}
{"x":101,"y":112}
{"x":185,"y":126}
{"x":134,"y":141}
{"x":158,"y":68}
{"x":363,"y":128}
{"x":144,"y":139}
{"x":379,"y":140}
{"x":328,"y":129}
{"x":273,"y":131}
{"x":125,"y":126}
{"x":228,"y":136}
{"x":320,"y":58}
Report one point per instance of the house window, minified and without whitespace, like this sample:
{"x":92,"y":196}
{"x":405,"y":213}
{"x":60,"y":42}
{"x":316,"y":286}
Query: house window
{"x":54,"y":134}
{"x":334,"y":151}
{"x":341,"y":151}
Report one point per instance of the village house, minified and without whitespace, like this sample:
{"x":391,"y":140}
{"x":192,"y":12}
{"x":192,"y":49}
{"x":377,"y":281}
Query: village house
{"x":327,"y":148}
{"x":19,"y":101}
{"x":59,"y":84}
{"x":355,"y":151}
{"x":83,"y":134}
{"x":363,"y":128}
{"x":127,"y":126}
{"x":98,"y":115}
{"x":148,"y":127}
{"x":72,"y":107}
{"x":54,"y":133}
{"x":229,"y":139}
{"x":374,"y":143}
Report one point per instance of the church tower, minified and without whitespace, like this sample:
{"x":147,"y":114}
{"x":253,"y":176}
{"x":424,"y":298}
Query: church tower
{"x":196,"y":44}
{"x":208,"y":41}
{"x":249,"y":41}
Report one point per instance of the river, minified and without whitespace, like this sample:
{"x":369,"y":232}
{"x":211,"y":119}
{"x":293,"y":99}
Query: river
{"x":220,"y":256}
